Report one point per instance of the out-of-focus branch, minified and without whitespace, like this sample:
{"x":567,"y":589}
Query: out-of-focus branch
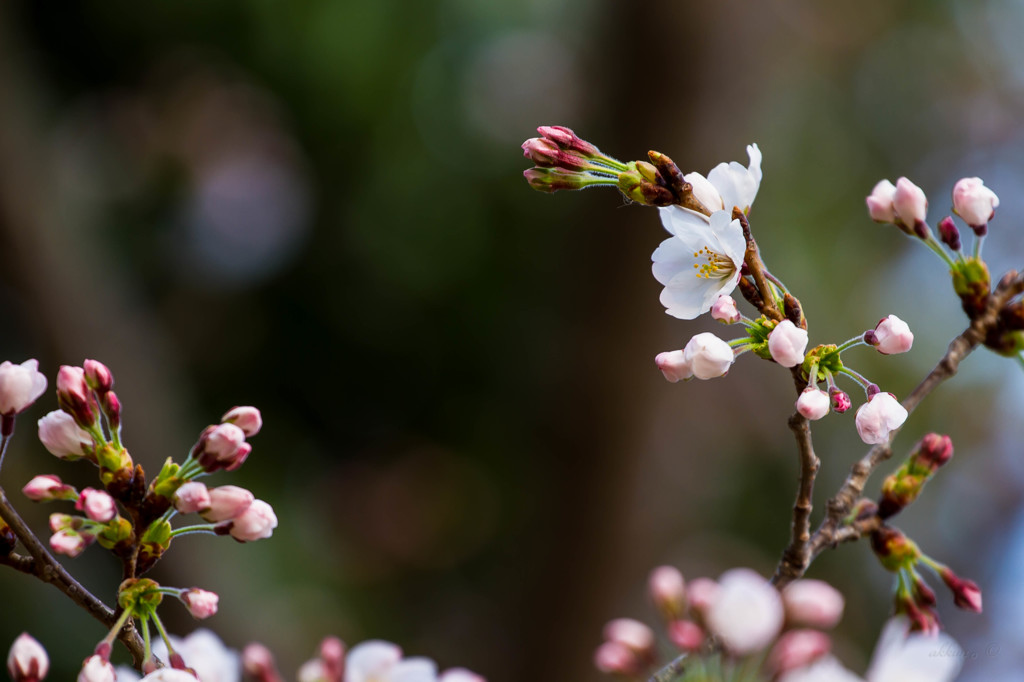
{"x":797,"y":554}
{"x":670,"y":671}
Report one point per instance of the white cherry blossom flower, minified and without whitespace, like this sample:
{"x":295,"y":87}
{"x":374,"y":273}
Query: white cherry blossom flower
{"x":747,"y":613}
{"x":702,"y":260}
{"x":699,"y":262}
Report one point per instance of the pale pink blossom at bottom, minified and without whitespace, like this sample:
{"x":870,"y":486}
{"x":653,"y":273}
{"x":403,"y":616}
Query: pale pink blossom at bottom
{"x":27,"y":660}
{"x":632,"y":634}
{"x":673,"y":365}
{"x":95,"y":669}
{"x":616,"y":659}
{"x":899,"y":657}
{"x":813,"y":603}
{"x":813,"y":403}
{"x":459,"y":675}
{"x":797,"y":649}
{"x":878,"y":417}
{"x":747,"y":612}
{"x":787,"y":343}
{"x":257,"y":522}
{"x":686,"y":634}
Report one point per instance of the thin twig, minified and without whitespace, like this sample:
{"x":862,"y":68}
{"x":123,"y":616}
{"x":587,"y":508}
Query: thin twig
{"x":752,"y":259}
{"x":797,"y":554}
{"x":670,"y":671}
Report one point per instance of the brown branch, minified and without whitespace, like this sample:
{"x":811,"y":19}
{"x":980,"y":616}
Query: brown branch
{"x":670,"y":671}
{"x":752,"y":259}
{"x":832,"y":531}
{"x":797,"y":554}
{"x":44,"y":566}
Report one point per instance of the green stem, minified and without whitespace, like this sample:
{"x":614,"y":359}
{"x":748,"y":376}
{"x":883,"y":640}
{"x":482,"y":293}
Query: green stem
{"x":859,"y":378}
{"x":739,"y":342}
{"x":190,"y":530}
{"x":937,"y":248}
{"x":845,"y":345}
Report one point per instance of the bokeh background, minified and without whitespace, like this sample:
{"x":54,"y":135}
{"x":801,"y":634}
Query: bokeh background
{"x":317,"y":207}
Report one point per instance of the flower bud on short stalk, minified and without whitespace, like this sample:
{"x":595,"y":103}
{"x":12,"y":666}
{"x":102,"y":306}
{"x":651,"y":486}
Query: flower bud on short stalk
{"x":64,"y":438}
{"x":890,"y":336}
{"x":97,"y":505}
{"x":911,"y":206}
{"x":879,"y":202}
{"x":255,"y":523}
{"x":47,"y":488}
{"x":933,"y":451}
{"x":840,"y":399}
{"x":555,"y":179}
{"x":966,"y":593}
{"x":74,"y":397}
{"x":192,"y":497}
{"x":227,"y":502}
{"x":668,"y":591}
{"x":701,"y":593}
{"x":879,"y":417}
{"x":221,"y":447}
{"x":27,"y":660}
{"x":975,"y":203}
{"x":98,"y":376}
{"x":633,"y":635}
{"x":547,"y":154}
{"x":949,"y":234}
{"x":787,"y":344}
{"x":258,"y":662}
{"x":673,"y":365}
{"x":20,"y":386}
{"x":332,"y":656}
{"x":615,"y":659}
{"x":724,"y":309}
{"x":247,"y":418}
{"x":568,"y":140}
{"x":200,"y":603}
{"x":813,"y":403}
{"x":708,"y":356}
{"x":747,"y":612}
{"x":69,"y":542}
{"x":812,"y":603}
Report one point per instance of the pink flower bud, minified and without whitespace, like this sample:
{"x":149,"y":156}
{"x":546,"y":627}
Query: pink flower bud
{"x":812,"y":603}
{"x":20,"y":386}
{"x":974,"y":202}
{"x":46,"y":488}
{"x":258,"y":662}
{"x":62,"y":521}
{"x":255,"y":523}
{"x":934,"y":450}
{"x":668,"y":590}
{"x":631,"y":634}
{"x":878,"y":417}
{"x":797,"y":649}
{"x":96,"y":669}
{"x":68,"y":542}
{"x":616,"y":659}
{"x":227,"y":502}
{"x":567,"y":139}
{"x":724,"y":309}
{"x":247,"y":418}
{"x":813,"y":403}
{"x":787,"y":343}
{"x":222,"y":447}
{"x":73,"y":395}
{"x":708,"y":356}
{"x":332,"y":656}
{"x":673,"y":365}
{"x":910,"y":203}
{"x":27,"y":660}
{"x":880,"y":202}
{"x":201,"y":603}
{"x":97,"y":376}
{"x":966,"y":593}
{"x":192,"y":497}
{"x":702,"y":593}
{"x":840,"y":400}
{"x":685,"y":634}
{"x":892,"y":336}
{"x":312,"y":671}
{"x":747,"y":614}
{"x":97,"y":505}
{"x":949,"y":234}
{"x":63,"y":437}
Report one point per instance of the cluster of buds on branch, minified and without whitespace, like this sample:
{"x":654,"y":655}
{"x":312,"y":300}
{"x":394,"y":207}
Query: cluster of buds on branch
{"x":124,"y":513}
